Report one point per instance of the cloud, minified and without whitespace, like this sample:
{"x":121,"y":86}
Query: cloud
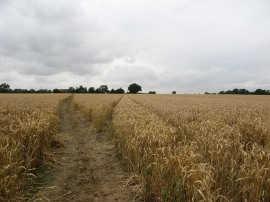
{"x":55,"y":38}
{"x":190,"y":46}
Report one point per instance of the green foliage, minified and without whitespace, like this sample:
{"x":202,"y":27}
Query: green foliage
{"x":71,"y":90}
{"x":103,"y":89}
{"x":134,"y":88}
{"x":20,"y":90}
{"x":120,"y":91}
{"x":246,"y":92}
{"x":43,"y":91}
{"x":56,"y":90}
{"x":81,"y":89}
{"x":31,"y":91}
{"x":5,"y":88}
{"x":152,"y":92}
{"x":262,"y":92}
{"x":91,"y":90}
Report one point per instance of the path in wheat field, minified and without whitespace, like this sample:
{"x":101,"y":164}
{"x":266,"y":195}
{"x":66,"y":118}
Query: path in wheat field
{"x":89,"y":169}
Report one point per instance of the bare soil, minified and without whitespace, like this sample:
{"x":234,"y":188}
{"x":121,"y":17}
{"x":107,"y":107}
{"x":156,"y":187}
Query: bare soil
{"x":89,"y":169}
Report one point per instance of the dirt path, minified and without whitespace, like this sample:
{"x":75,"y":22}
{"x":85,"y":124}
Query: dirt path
{"x":89,"y":170}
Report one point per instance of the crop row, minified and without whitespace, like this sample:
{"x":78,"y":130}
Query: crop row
{"x":97,"y":108}
{"x":28,"y":124}
{"x":229,"y":134}
{"x":187,"y":147}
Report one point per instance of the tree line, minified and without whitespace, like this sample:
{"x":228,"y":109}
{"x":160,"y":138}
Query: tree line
{"x":132,"y":88}
{"x":81,"y":89}
{"x":237,"y":91}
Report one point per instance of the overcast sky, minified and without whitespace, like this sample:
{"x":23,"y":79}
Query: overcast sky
{"x":190,"y":46}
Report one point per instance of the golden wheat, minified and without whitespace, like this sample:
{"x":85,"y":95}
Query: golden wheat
{"x":231,"y":135}
{"x":170,"y":169}
{"x":97,"y":108}
{"x":27,"y":125}
{"x":187,"y":147}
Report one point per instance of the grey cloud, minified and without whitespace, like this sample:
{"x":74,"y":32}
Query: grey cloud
{"x":187,"y":46}
{"x":57,"y":39}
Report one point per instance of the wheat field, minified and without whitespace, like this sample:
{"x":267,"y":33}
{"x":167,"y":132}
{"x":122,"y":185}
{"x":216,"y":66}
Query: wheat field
{"x":28,"y":124}
{"x":176,"y":147}
{"x":219,"y":150}
{"x":97,"y":108}
{"x":192,"y":147}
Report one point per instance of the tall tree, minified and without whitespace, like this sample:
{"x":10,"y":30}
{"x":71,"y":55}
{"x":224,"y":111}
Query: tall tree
{"x":120,"y":91}
{"x":5,"y":88}
{"x":81,"y":89}
{"x":134,"y":88}
{"x":91,"y":90}
{"x":71,"y":90}
{"x":112,"y":91}
{"x":56,"y":90}
{"x":103,"y":89}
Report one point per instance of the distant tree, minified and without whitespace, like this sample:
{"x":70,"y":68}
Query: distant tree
{"x":206,"y":93}
{"x":243,"y":91}
{"x":43,"y":91}
{"x":5,"y":88}
{"x":235,"y":91}
{"x":152,"y":92}
{"x":174,"y":92}
{"x":261,"y":92}
{"x":258,"y":92}
{"x":134,"y":88}
{"x":112,"y":91}
{"x":97,"y":91}
{"x":71,"y":90}
{"x":81,"y":89}
{"x":20,"y":90}
{"x":56,"y":90}
{"x":31,"y":91}
{"x":120,"y":91}
{"x":103,"y":89}
{"x":91,"y":90}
